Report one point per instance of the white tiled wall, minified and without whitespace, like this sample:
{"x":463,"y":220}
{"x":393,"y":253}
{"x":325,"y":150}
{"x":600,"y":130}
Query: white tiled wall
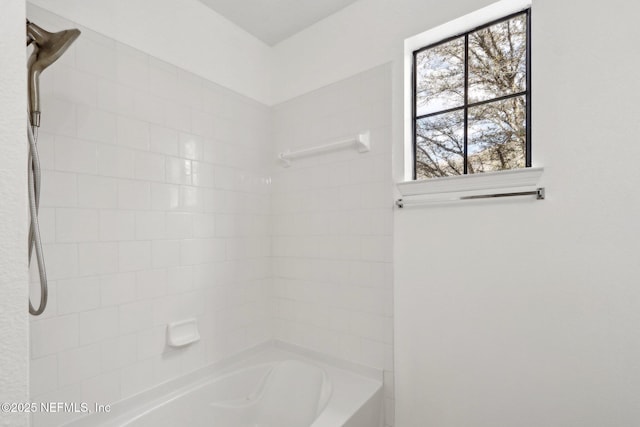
{"x":158,"y":205}
{"x":332,"y":225}
{"x":155,"y":208}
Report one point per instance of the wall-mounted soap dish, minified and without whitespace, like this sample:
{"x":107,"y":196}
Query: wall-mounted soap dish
{"x":182,"y":333}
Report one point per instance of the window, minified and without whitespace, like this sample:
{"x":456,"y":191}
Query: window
{"x":471,"y":101}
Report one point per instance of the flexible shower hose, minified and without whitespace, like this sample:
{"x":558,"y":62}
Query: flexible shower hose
{"x":34,"y":227}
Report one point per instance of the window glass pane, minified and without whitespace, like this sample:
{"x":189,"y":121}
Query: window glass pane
{"x":440,"y":145}
{"x":498,"y":60}
{"x":440,"y":77}
{"x":497,"y":136}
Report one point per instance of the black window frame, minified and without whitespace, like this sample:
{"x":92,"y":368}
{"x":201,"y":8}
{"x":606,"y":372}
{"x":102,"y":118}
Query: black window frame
{"x":467,"y":105}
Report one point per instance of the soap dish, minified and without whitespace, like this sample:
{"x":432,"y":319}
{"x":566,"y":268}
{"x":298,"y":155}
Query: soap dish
{"x":182,"y":333}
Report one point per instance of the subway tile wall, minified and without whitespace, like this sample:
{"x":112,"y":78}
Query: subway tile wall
{"x":333,"y":226}
{"x":158,"y":205}
{"x":155,"y":208}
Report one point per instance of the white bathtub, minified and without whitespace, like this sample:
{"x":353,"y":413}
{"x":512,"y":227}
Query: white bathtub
{"x":270,"y":387}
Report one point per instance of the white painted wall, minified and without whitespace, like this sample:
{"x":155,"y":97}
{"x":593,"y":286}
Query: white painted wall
{"x":185,"y":33}
{"x":14,"y":325}
{"x":527,"y":313}
{"x":366,"y":34}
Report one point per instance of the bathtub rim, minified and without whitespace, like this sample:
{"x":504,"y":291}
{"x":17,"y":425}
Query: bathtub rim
{"x":174,"y":388}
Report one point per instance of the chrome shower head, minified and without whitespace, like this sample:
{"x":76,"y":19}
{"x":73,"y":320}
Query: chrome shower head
{"x":47,"y":48}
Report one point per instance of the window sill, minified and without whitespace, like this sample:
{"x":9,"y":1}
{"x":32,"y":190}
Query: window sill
{"x":472,"y":184}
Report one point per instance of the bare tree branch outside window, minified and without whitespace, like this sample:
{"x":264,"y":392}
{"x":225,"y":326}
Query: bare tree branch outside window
{"x":471,"y":98}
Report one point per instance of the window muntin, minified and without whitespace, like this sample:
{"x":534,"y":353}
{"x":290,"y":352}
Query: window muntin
{"x":471,"y":107}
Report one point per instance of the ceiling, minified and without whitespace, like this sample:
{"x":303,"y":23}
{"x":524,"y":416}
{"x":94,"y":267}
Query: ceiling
{"x":275,"y":20}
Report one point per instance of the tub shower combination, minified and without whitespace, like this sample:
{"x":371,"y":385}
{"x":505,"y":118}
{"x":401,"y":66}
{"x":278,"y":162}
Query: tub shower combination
{"x":272,"y":385}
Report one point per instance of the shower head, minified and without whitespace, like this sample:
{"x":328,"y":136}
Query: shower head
{"x":47,"y":48}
